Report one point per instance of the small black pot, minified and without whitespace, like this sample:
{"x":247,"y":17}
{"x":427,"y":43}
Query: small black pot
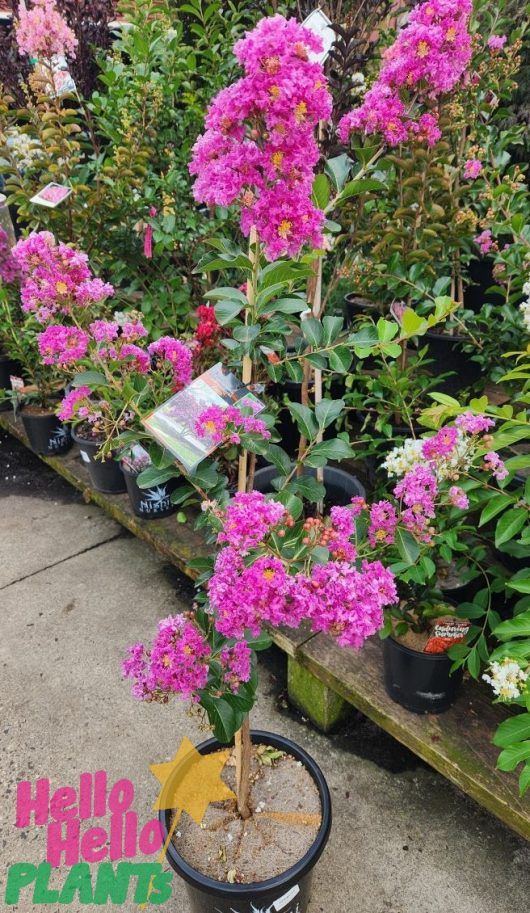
{"x":355,"y":306}
{"x":150,"y":503}
{"x":446,"y":354}
{"x":47,"y":434}
{"x":420,"y":682}
{"x":340,"y":485}
{"x":105,"y":475}
{"x":286,"y":893}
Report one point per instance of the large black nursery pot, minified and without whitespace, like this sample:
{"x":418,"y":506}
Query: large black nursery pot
{"x":46,"y":433}
{"x":150,"y":503}
{"x":420,"y":682}
{"x":105,"y":475}
{"x":445,"y":355}
{"x":340,"y":485}
{"x":5,"y":380}
{"x":286,"y":893}
{"x":355,"y":306}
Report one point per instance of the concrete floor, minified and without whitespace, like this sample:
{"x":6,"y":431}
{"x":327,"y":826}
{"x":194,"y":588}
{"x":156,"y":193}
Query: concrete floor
{"x":75,"y":590}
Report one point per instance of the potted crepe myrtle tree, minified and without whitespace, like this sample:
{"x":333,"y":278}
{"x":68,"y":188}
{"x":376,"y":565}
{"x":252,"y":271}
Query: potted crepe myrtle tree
{"x":279,"y":562}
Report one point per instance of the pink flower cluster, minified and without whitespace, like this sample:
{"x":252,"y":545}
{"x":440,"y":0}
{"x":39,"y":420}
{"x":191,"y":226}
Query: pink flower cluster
{"x":259,"y":148}
{"x":383,"y":523}
{"x":42,"y":32}
{"x":248,"y":519}
{"x":176,"y":662}
{"x":236,"y":662}
{"x":59,"y":345}
{"x":494,"y":464}
{"x":418,"y":490}
{"x":428,"y":58}
{"x":497,"y":42}
{"x":485,"y":241}
{"x":8,"y":264}
{"x":474,"y":424}
{"x":175,"y":353}
{"x":225,"y":426}
{"x":472,"y":169}
{"x":56,"y":278}
{"x":441,"y":445}
{"x":71,"y":407}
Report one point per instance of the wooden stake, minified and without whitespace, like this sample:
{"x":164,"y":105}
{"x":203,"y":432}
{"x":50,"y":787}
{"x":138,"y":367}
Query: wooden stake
{"x":243,"y":757}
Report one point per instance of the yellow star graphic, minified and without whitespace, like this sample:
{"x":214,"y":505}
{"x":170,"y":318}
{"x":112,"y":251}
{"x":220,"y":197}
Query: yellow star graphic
{"x":190,"y":782}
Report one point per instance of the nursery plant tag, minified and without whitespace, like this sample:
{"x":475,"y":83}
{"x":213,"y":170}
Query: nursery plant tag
{"x":446,"y":634}
{"x":173,"y":423}
{"x":51,"y":195}
{"x":319,"y":24}
{"x":282,"y":901}
{"x":136,"y":458}
{"x":84,"y":456}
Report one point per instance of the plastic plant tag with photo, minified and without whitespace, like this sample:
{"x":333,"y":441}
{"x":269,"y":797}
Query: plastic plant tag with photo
{"x":136,"y":458}
{"x":319,"y":24}
{"x":173,"y":423}
{"x":446,"y":634}
{"x":57,"y":82}
{"x":52,"y":195}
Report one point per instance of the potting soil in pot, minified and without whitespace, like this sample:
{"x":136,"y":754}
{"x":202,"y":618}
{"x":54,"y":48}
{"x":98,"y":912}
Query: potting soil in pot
{"x":284,"y":824}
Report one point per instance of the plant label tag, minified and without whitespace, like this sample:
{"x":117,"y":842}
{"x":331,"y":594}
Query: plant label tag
{"x":286,"y":898}
{"x":16,"y":382}
{"x":84,"y":456}
{"x":319,"y":24}
{"x":446,"y":634}
{"x":51,"y":195}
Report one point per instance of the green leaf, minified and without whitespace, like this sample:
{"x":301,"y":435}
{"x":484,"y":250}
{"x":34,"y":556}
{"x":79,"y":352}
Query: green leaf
{"x":152,"y":476}
{"x":338,"y":169}
{"x":90,"y":379}
{"x":336,"y":449}
{"x":222,"y":716}
{"x":261,"y":641}
{"x":312,"y":330}
{"x":226,"y":311}
{"x":357,"y":186}
{"x":513,"y":755}
{"x":332,"y":327}
{"x":494,"y":506}
{"x":246,"y":333}
{"x":309,"y":488}
{"x":226,"y":293}
{"x":524,"y":779}
{"x":293,"y":504}
{"x":514,"y":729}
{"x":321,"y":191}
{"x":305,"y":420}
{"x":514,"y":627}
{"x":279,"y":458}
{"x":340,"y":359}
{"x":327,"y":411}
{"x":407,"y":546}
{"x":509,"y":525}
{"x":520,"y":582}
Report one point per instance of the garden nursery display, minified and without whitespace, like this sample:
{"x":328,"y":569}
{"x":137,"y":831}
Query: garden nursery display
{"x":269,"y":271}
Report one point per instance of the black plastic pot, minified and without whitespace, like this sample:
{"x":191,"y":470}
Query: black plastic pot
{"x":286,"y":893}
{"x":446,"y":354}
{"x":340,"y":485}
{"x":105,"y":475}
{"x":5,"y":381}
{"x":420,"y":682}
{"x":355,"y":306}
{"x":47,"y":434}
{"x":150,"y":503}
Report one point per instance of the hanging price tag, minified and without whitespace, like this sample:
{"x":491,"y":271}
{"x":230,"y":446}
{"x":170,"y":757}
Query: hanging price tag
{"x":319,"y":24}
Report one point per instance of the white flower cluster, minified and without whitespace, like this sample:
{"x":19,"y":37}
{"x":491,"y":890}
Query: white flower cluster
{"x":525,"y":306}
{"x":507,"y":679}
{"x":401,"y":460}
{"x":25,"y":149}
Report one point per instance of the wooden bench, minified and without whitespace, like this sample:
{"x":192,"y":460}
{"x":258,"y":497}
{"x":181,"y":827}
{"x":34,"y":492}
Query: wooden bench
{"x":325,"y":680}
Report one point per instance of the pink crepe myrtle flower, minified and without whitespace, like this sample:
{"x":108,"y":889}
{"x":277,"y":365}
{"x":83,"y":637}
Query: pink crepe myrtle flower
{"x":428,"y":58}
{"x":497,"y":42}
{"x":457,"y":497}
{"x":236,"y":664}
{"x":41,"y":31}
{"x":131,"y":331}
{"x":259,"y":148}
{"x":9,"y":269}
{"x":383,"y":523}
{"x":93,"y":291}
{"x":176,"y":662}
{"x":60,"y":345}
{"x":225,"y":425}
{"x":342,"y":530}
{"x":441,"y":445}
{"x":474,"y":424}
{"x":177,"y":354}
{"x":485,"y":241}
{"x":418,"y":489}
{"x":348,"y":603}
{"x":138,"y":359}
{"x":472,"y":169}
{"x":248,"y":518}
{"x":494,"y":464}
{"x":104,"y":330}
{"x":71,"y":402}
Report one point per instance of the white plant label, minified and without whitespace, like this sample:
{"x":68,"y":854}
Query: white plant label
{"x":282,"y":901}
{"x":84,"y":456}
{"x":319,"y":24}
